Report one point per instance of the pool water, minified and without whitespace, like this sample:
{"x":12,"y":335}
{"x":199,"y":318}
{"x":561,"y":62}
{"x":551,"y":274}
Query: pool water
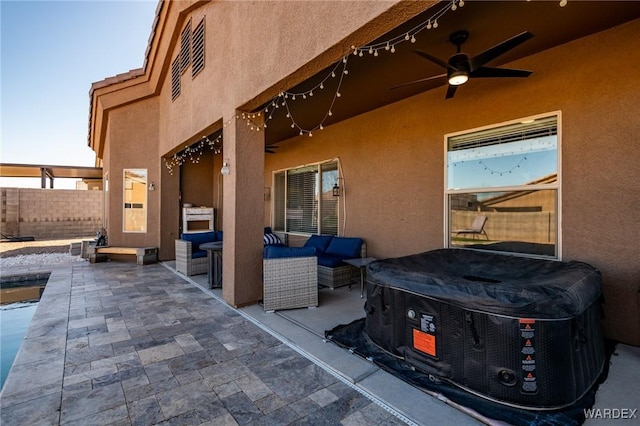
{"x":14,"y":322}
{"x":15,"y":318}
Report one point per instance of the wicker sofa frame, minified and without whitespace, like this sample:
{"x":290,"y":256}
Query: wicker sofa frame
{"x":289,"y":283}
{"x":340,"y":276}
{"x":185,"y":264}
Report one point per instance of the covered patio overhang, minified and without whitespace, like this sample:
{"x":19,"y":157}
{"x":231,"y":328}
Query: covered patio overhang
{"x":362,"y":78}
{"x":374,"y":69}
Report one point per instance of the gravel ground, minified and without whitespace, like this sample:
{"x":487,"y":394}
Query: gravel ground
{"x":38,"y":252}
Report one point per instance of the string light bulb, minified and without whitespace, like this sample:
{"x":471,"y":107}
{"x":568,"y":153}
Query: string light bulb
{"x":194,"y":153}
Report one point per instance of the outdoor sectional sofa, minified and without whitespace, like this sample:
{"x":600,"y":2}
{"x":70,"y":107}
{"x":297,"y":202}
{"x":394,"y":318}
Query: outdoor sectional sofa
{"x":331,"y":253}
{"x":289,"y":277}
{"x":190,"y":260}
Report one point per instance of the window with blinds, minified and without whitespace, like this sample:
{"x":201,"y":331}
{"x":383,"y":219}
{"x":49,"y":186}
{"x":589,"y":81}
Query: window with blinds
{"x":198,"y":49}
{"x":508,"y":178}
{"x":303,"y":200}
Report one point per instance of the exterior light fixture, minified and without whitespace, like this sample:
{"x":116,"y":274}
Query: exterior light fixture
{"x":225,"y":167}
{"x":336,"y":189}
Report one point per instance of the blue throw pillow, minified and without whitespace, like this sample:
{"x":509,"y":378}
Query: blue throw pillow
{"x":272,"y":240}
{"x":320,"y":242}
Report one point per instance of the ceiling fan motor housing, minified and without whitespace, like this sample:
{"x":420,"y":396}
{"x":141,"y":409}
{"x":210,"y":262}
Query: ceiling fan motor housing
{"x":459,"y":69}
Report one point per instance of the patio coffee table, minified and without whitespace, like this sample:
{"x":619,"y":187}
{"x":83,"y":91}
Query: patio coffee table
{"x":214,"y":255}
{"x":360,"y":263}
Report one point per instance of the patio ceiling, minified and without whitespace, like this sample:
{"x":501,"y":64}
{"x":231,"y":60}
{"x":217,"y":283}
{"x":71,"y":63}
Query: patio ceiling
{"x":366,"y":87}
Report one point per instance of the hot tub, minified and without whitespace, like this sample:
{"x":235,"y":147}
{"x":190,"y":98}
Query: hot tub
{"x":520,"y":331}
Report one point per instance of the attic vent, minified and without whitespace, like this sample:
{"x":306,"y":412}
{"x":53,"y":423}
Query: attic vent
{"x":175,"y":78}
{"x":185,"y":47}
{"x":198,"y":49}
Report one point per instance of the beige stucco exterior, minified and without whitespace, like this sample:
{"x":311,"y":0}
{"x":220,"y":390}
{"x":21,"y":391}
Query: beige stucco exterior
{"x":392,"y":158}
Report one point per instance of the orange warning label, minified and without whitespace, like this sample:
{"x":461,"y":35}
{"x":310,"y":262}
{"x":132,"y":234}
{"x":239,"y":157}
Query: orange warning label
{"x":527,"y":321}
{"x":424,"y":342}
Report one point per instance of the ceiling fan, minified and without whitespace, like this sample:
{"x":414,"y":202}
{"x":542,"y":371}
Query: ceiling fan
{"x":460,"y":67}
{"x":269,"y":149}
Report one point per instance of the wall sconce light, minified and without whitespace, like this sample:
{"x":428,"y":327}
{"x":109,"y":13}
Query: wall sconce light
{"x":267,"y":193}
{"x":152,"y":186}
{"x":336,"y":189}
{"x":225,"y":167}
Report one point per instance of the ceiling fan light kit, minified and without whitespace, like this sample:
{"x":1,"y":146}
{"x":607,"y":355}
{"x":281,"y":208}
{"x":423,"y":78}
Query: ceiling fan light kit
{"x":457,"y":78}
{"x":460,"y":67}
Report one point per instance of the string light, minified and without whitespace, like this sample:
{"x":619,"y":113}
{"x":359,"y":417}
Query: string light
{"x":194,"y":152}
{"x":374,"y":49}
{"x":282,"y":99}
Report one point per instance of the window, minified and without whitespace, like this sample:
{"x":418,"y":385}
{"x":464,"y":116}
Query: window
{"x":105,"y":205}
{"x":135,"y":200}
{"x":510,"y":176}
{"x":303,"y":199}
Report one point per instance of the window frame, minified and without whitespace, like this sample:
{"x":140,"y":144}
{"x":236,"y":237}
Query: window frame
{"x":555,"y":186}
{"x":274,"y":197}
{"x":145,"y":203}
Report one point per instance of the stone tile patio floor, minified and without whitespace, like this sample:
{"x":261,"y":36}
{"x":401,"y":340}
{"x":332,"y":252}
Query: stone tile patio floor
{"x":115,"y":343}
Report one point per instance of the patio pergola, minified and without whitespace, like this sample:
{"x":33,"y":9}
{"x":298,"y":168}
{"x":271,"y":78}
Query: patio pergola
{"x":50,"y":172}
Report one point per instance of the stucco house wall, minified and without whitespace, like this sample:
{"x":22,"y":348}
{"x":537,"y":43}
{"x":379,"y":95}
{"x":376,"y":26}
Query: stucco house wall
{"x":393,"y":162}
{"x":392,"y":157}
{"x":133,"y":144}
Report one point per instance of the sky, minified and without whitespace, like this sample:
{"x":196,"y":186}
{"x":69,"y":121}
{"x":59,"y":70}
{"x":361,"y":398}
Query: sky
{"x":50,"y":53}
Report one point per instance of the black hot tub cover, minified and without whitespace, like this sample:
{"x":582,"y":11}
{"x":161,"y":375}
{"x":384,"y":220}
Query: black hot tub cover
{"x":494,"y":283}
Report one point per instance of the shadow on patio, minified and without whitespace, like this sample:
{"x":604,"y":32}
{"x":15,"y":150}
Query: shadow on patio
{"x":304,"y":329}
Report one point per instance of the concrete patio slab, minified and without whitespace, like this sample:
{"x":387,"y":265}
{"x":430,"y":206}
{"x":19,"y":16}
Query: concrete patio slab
{"x":117,"y":343}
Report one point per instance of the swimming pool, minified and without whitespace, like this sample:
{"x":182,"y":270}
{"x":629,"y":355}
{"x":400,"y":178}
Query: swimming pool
{"x":16,"y":316}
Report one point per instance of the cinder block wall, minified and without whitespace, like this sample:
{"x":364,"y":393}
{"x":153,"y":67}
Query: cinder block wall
{"x":50,"y":213}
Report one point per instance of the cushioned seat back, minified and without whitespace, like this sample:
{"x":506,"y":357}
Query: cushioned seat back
{"x":277,"y":252}
{"x":320,"y":242}
{"x":348,"y":248}
{"x":198,"y":238}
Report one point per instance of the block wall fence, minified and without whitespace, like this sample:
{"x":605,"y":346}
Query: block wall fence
{"x":50,"y":213}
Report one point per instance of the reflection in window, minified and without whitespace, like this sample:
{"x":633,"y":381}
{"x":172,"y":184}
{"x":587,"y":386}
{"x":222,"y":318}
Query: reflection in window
{"x":508,"y":175}
{"x":303,"y":200}
{"x":135,"y":200}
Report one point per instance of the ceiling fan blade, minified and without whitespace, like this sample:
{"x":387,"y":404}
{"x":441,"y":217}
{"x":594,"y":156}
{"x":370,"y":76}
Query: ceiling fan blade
{"x":483,"y":72}
{"x":435,"y":60}
{"x":268,"y":151}
{"x":418,"y":81}
{"x":451,"y":90}
{"x":499,"y":49}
